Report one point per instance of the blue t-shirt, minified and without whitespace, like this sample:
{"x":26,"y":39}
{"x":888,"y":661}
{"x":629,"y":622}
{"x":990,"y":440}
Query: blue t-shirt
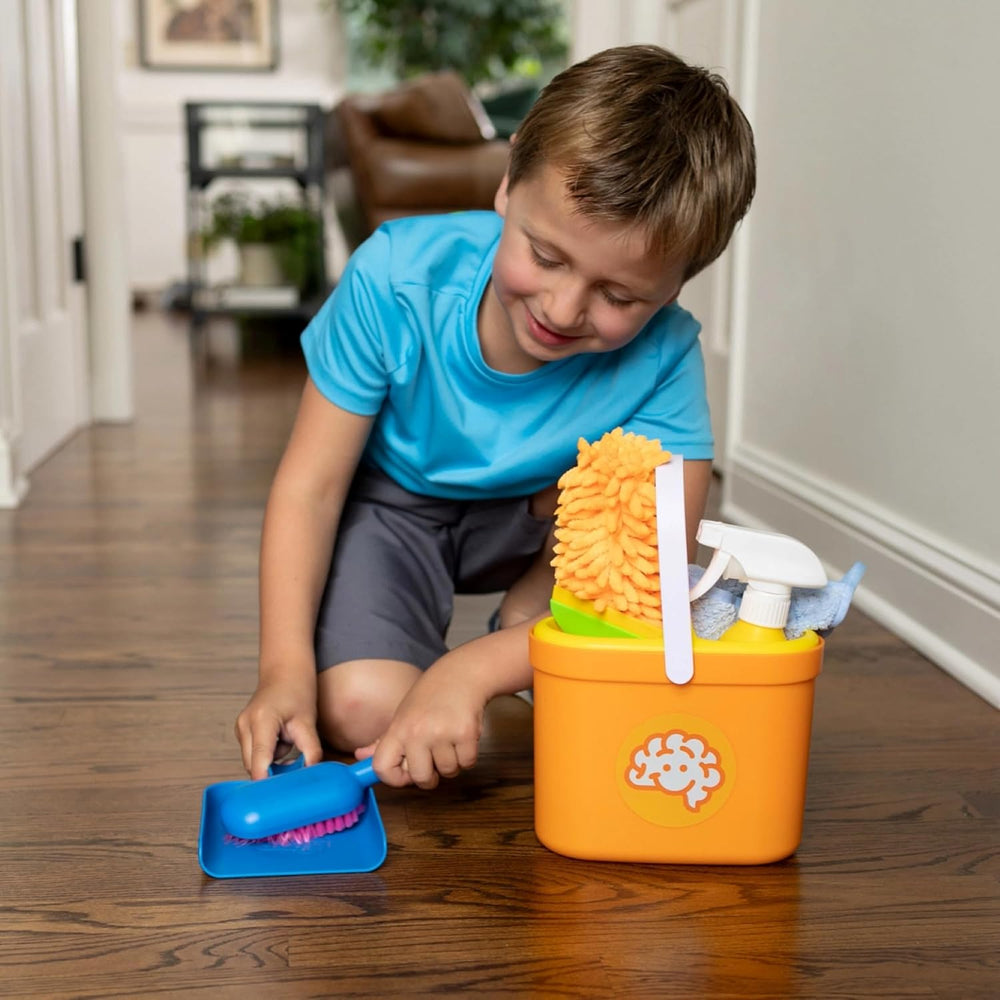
{"x":398,"y":340}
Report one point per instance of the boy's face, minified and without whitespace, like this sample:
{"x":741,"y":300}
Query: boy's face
{"x":564,"y":284}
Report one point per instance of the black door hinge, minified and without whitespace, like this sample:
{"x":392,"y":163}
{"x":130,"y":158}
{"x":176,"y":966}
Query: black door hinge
{"x":79,"y":260}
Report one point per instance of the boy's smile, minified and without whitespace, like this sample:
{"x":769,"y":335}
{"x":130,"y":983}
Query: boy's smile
{"x":544,"y":335}
{"x":564,"y":284}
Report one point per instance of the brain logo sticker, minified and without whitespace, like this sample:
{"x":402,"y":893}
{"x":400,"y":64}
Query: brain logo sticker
{"x":676,"y":763}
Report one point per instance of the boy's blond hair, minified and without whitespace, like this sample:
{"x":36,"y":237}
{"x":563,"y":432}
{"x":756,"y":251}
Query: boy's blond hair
{"x":643,"y":138}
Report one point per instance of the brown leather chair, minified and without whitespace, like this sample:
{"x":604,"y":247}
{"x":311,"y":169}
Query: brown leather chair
{"x":425,"y":147}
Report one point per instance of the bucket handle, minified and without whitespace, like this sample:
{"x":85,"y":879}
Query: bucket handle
{"x":671,"y":538}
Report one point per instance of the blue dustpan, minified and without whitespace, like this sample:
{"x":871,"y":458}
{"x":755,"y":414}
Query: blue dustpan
{"x":284,"y":801}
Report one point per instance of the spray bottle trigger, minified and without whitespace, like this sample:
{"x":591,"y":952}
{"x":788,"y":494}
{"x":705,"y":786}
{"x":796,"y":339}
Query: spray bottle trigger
{"x":717,"y":568}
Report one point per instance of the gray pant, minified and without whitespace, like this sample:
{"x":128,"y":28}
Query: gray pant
{"x":401,"y":557}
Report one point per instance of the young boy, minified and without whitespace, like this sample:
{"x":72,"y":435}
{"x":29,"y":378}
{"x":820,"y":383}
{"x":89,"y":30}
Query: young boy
{"x":451,"y":374}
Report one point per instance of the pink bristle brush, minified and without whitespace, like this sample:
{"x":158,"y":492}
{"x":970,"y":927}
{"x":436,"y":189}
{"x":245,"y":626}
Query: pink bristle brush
{"x":305,"y":834}
{"x":296,"y":806}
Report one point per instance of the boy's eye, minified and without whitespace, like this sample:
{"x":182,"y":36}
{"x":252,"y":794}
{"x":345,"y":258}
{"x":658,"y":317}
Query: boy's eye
{"x":615,"y":300}
{"x":542,"y":261}
{"x":547,"y":262}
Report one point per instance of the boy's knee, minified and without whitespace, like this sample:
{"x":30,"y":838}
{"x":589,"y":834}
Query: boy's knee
{"x":358,"y":699}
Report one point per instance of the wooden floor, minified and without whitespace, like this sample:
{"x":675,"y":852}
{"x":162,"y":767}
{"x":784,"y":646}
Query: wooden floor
{"x":127,"y":645}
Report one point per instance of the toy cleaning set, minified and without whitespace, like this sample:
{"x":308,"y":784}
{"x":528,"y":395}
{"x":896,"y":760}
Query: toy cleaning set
{"x":652,"y":743}
{"x":673,"y":706}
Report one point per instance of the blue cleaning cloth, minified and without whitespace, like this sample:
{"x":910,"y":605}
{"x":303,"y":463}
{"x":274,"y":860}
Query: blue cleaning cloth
{"x":715,"y":610}
{"x":821,"y":610}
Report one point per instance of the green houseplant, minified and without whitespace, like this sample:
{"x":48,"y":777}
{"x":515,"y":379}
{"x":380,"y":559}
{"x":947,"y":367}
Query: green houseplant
{"x":291,"y":232}
{"x":500,"y":47}
{"x":482,"y":40}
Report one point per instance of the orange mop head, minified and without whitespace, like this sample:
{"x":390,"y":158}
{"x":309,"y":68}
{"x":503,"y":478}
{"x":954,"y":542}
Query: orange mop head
{"x":607,"y":576}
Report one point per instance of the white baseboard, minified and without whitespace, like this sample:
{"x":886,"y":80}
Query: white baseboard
{"x":12,"y":492}
{"x":13,"y":486}
{"x":943,"y":601}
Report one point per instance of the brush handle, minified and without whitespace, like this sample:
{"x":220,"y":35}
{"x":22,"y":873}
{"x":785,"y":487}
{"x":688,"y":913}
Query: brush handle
{"x":295,"y":798}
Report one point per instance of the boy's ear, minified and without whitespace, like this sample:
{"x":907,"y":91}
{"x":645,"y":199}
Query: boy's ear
{"x":500,"y":198}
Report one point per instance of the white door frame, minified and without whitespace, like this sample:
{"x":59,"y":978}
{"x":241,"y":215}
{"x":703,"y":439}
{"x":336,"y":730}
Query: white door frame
{"x":111,"y":389}
{"x":53,"y":377}
{"x":43,"y":361}
{"x":717,"y":34}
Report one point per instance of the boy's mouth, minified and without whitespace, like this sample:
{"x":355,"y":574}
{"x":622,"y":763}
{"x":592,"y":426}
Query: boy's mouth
{"x":545,"y":336}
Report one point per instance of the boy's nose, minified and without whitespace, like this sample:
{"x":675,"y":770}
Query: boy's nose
{"x":565,"y":305}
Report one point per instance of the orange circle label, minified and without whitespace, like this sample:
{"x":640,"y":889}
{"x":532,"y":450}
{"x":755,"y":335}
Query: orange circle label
{"x":676,"y":770}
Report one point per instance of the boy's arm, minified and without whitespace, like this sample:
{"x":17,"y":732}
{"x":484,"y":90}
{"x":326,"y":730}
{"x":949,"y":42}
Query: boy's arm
{"x":436,"y":729}
{"x":697,"y":480}
{"x":529,"y":596}
{"x":300,"y":525}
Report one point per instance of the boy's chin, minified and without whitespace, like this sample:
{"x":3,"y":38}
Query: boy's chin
{"x":543,"y":353}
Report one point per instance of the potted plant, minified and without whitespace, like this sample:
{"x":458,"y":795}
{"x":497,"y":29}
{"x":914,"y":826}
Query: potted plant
{"x":279,"y":242}
{"x":500,"y":47}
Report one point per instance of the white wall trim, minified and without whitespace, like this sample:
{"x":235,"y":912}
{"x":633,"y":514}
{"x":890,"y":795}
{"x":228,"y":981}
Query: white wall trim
{"x":104,"y":211}
{"x":739,"y":250}
{"x":942,"y":600}
{"x":969,"y":571}
{"x":950,"y":658}
{"x":13,"y":486}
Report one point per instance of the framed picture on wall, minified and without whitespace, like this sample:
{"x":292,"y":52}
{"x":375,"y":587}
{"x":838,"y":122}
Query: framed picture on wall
{"x":197,"y":35}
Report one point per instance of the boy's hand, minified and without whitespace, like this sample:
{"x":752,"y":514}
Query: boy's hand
{"x":277,"y":718}
{"x":435,"y":731}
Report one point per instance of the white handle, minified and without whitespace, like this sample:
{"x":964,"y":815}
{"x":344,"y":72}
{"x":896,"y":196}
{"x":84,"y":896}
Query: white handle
{"x":671,"y":537}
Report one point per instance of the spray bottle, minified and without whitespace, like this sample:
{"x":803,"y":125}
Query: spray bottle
{"x":771,"y":564}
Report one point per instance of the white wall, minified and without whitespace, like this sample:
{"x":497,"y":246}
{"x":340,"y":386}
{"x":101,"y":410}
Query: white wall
{"x":311,"y":67}
{"x":864,"y":350}
{"x":863,"y":413}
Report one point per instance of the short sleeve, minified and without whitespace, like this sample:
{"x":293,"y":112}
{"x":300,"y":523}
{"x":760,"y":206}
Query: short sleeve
{"x":347,"y":346}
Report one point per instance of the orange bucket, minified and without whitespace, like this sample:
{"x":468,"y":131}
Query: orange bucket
{"x":629,"y":767}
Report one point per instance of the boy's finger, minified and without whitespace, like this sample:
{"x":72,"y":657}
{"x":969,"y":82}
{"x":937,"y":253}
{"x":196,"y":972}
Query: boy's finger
{"x":420,"y":765}
{"x":467,"y":754}
{"x":306,"y":739}
{"x":262,"y":744}
{"x":261,"y":757}
{"x":446,"y":761}
{"x":244,"y":736}
{"x":391,"y":765}
{"x":245,"y":743}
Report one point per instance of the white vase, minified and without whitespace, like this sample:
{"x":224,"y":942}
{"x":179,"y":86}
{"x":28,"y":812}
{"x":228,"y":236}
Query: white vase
{"x":259,"y":265}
